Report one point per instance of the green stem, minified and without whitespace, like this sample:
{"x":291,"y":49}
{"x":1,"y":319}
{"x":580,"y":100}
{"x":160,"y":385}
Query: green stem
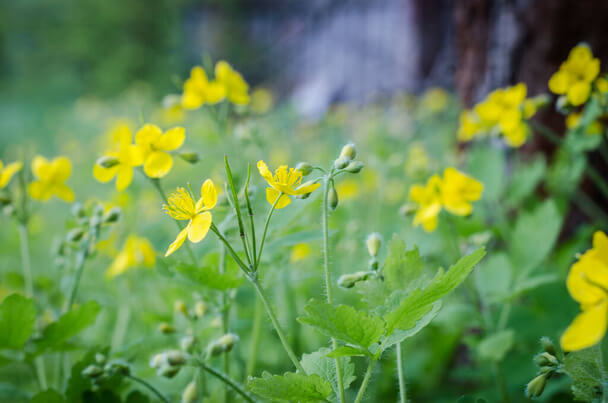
{"x":277,"y":327}
{"x":234,"y":255}
{"x":81,"y":257}
{"x":588,"y":207}
{"x":502,"y":385}
{"x":250,"y":213}
{"x":266,"y":229}
{"x":255,"y":339}
{"x":237,"y":209}
{"x":150,"y":387}
{"x":504,"y":316}
{"x":368,"y":374}
{"x":225,"y":320}
{"x":224,"y":378}
{"x":402,"y":391}
{"x":596,"y":177}
{"x":327,"y":275}
{"x":546,"y":132}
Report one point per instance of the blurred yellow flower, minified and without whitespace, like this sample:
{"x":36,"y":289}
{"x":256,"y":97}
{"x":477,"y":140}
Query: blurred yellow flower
{"x":575,"y":75}
{"x":458,"y":191}
{"x":299,"y":252}
{"x":121,"y":160}
{"x":181,"y":206}
{"x":434,"y":99}
{"x":587,"y":283}
{"x":155,"y":146}
{"x":285,"y":182}
{"x":417,"y":160}
{"x":348,"y":189}
{"x":7,"y":172}
{"x":235,"y":86}
{"x":262,"y":100}
{"x":50,"y":179}
{"x":137,"y":251}
{"x":428,"y":198}
{"x":573,"y":119}
{"x":198,"y":90}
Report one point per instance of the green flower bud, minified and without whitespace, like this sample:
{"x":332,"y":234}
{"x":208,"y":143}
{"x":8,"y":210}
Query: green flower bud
{"x":78,"y":210}
{"x":186,"y":343}
{"x":108,"y":161}
{"x":190,"y":394}
{"x":175,"y":357}
{"x":92,"y":371}
{"x":200,"y":308}
{"x":304,"y":167}
{"x":100,"y":358}
{"x":305,"y":195}
{"x":541,"y":100}
{"x":118,"y":367}
{"x":190,"y":157}
{"x":74,"y":235}
{"x":373,"y":264}
{"x":112,"y":216}
{"x":407,"y":209}
{"x":373,"y":242}
{"x":5,"y":199}
{"x":537,"y":385}
{"x":548,"y":345}
{"x":562,"y":105}
{"x":332,"y":198}
{"x":354,"y":167}
{"x":166,"y":328}
{"x":545,"y":360}
{"x":341,"y":163}
{"x":180,"y":307}
{"x":98,"y":210}
{"x":222,"y":345}
{"x":349,"y":152}
{"x":157,"y":360}
{"x":167,"y":371}
{"x":349,"y":280}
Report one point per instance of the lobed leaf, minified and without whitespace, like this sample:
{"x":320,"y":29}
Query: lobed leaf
{"x":403,"y":270}
{"x":320,"y":363}
{"x":496,"y":346}
{"x":291,"y":387}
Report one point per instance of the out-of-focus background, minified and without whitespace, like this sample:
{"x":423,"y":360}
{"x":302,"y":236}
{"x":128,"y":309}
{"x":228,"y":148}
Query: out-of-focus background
{"x":314,"y":53}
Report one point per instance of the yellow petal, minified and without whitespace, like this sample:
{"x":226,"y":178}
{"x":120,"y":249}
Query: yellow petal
{"x":61,"y":168}
{"x":7,"y":173}
{"x":125,"y":175}
{"x":587,"y":329}
{"x":559,"y":82}
{"x":307,"y":188}
{"x":578,"y":280}
{"x":600,"y":246}
{"x":41,"y":167}
{"x":147,"y":251}
{"x":239,"y":98}
{"x":592,"y":69}
{"x":192,"y":100}
{"x":215,"y":92}
{"x":199,"y":226}
{"x":179,"y":241}
{"x":430,"y":224}
{"x":38,"y":190}
{"x":578,"y":93}
{"x":271,"y":197}
{"x":172,"y":139}
{"x":134,"y":155}
{"x":118,"y":266}
{"x":147,"y":135}
{"x":63,"y":192}
{"x":158,"y":164}
{"x":104,"y":175}
{"x":265,"y":172}
{"x":208,"y":195}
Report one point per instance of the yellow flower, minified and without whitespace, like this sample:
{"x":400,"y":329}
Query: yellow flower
{"x":285,"y":182}
{"x":154,"y":145}
{"x":262,"y":100}
{"x":235,"y":86}
{"x":198,"y":90}
{"x":434,"y":99}
{"x":50,"y":179}
{"x":602,"y":85}
{"x":458,"y":191}
{"x":136,"y":251}
{"x":587,"y":283}
{"x":347,"y":189}
{"x":575,"y":75}
{"x":182,"y":207}
{"x":428,"y":198}
{"x":299,"y":252}
{"x":127,"y":157}
{"x":7,"y":172}
{"x":573,"y":119}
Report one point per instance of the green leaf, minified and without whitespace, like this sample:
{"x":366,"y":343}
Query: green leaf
{"x":420,"y":302}
{"x":291,"y":387}
{"x":48,"y":396}
{"x":403,"y":270}
{"x":496,"y":346}
{"x":17,"y":321}
{"x":67,"y":326}
{"x":534,"y":235}
{"x":524,"y":180}
{"x":347,"y":351}
{"x":321,"y":364}
{"x":373,"y":292}
{"x":583,"y":367}
{"x":399,"y":335}
{"x":136,"y":396}
{"x":211,"y":277}
{"x":487,"y":165}
{"x":343,"y":322}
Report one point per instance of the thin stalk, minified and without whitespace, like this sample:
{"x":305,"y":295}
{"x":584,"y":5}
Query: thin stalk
{"x":502,"y":385}
{"x":504,"y":316}
{"x":327,"y":276}
{"x":250,"y":213}
{"x":81,"y":257}
{"x":224,"y":378}
{"x":120,"y":328}
{"x":234,"y":255}
{"x":237,"y":209}
{"x":255,"y":339}
{"x":277,"y":327}
{"x":368,"y":374}
{"x":149,"y":387}
{"x":590,"y":208}
{"x":546,"y":132}
{"x":266,"y":229}
{"x":225,"y":320}
{"x":596,"y":177}
{"x":402,"y":391}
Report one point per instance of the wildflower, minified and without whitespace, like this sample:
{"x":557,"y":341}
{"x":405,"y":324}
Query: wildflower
{"x":458,"y":191}
{"x":122,"y":159}
{"x":573,"y":120}
{"x":198,"y":90}
{"x":155,"y":146}
{"x":587,"y":283}
{"x":262,"y":100}
{"x":234,"y":85}
{"x":136,"y":251}
{"x":434,"y":99}
{"x":575,"y":75}
{"x":299,"y":252}
{"x":50,"y":179}
{"x":7,"y":172}
{"x":428,"y":198}
{"x":285,"y":182}
{"x":181,"y":206}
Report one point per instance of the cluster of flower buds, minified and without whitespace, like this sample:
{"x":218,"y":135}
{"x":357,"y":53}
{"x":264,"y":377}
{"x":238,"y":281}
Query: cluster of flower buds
{"x":103,"y":369}
{"x":373,"y":244}
{"x":346,"y":160}
{"x":168,"y":363}
{"x":222,"y":345}
{"x":190,"y":393}
{"x":197,"y":312}
{"x":548,"y":363}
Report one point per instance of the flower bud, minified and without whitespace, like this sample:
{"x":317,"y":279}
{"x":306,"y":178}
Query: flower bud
{"x":100,"y":358}
{"x":332,"y":198}
{"x":92,"y":371}
{"x":354,"y":167}
{"x":373,"y":242}
{"x":157,"y":360}
{"x":341,"y":163}
{"x":175,"y":357}
{"x":304,"y":167}
{"x":562,"y":105}
{"x":190,"y":157}
{"x":190,"y":394}
{"x":167,"y":371}
{"x":186,"y":343}
{"x":545,"y":360}
{"x":349,"y":152}
{"x":223,"y":344}
{"x":373,"y":264}
{"x":548,"y":345}
{"x":349,"y":280}
{"x":166,"y":328}
{"x":78,"y":210}
{"x":200,"y":308}
{"x":407,"y":209}
{"x":112,"y":215}
{"x":180,"y":307}
{"x":305,"y":195}
{"x":107,"y":161}
{"x":118,"y":367}
{"x":74,"y":235}
{"x":537,"y":385}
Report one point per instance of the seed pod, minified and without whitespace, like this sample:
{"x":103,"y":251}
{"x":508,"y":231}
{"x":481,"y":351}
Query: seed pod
{"x":304,"y":167}
{"x":200,"y":308}
{"x":180,"y":307}
{"x":74,"y":235}
{"x":92,"y":371}
{"x":332,"y":198}
{"x":373,"y":243}
{"x":112,"y":216}
{"x":107,"y":161}
{"x":166,"y":328}
{"x":223,"y":344}
{"x":190,"y":157}
{"x":175,"y":357}
{"x":537,"y":385}
{"x":349,"y":152}
{"x":190,"y":394}
{"x":349,"y":280}
{"x":354,"y":167}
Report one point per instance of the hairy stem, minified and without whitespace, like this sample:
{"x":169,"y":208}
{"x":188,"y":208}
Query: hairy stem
{"x":402,"y":390}
{"x":255,"y":339}
{"x":229,"y":382}
{"x":268,"y":217}
{"x":225,"y":321}
{"x":368,"y":374}
{"x":149,"y":387}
